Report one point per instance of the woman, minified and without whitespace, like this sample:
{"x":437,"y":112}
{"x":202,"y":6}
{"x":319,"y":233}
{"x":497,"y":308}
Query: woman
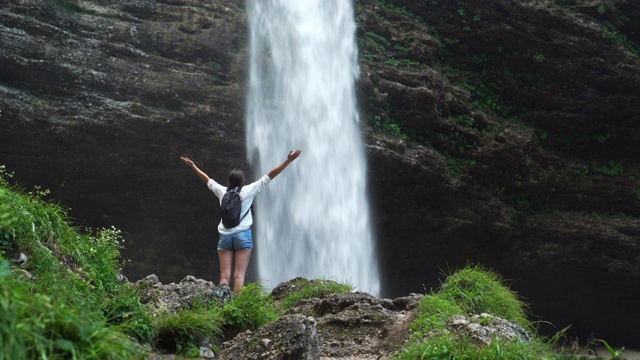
{"x":235,"y":244}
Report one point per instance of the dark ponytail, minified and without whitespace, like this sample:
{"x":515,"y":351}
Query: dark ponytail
{"x":236,"y":179}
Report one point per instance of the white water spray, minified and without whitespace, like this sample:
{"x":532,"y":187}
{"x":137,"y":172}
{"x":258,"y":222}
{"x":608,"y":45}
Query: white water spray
{"x":313,"y":220}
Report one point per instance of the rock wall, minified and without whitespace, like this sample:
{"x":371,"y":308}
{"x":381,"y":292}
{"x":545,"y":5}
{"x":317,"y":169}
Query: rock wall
{"x":527,"y":125}
{"x":99,"y":101}
{"x":502,"y":133}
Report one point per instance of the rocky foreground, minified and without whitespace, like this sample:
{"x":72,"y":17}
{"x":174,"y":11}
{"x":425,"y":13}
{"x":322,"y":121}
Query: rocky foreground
{"x":339,"y":326}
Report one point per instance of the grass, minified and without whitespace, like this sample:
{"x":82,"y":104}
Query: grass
{"x":313,"y":289}
{"x":184,"y":331}
{"x":249,"y":310}
{"x":66,"y":300}
{"x":478,"y":290}
{"x":472,"y":290}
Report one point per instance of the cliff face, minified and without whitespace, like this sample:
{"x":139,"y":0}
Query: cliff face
{"x":502,"y":133}
{"x":99,"y":101}
{"x":527,"y":118}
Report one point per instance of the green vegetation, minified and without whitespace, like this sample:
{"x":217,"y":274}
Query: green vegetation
{"x":612,"y":168}
{"x":537,"y":57}
{"x":376,"y":41}
{"x":387,"y":126}
{"x":249,"y":310}
{"x":614,"y":353}
{"x":374,"y":45}
{"x":611,"y":32}
{"x":314,"y":289}
{"x":389,"y":7}
{"x":476,"y":290}
{"x":66,"y":300}
{"x":459,"y":166}
{"x":184,"y":331}
{"x":472,"y":290}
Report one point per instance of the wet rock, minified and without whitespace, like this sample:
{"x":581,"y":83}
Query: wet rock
{"x":173,"y":297}
{"x":290,"y":337}
{"x":359,"y":325}
{"x":483,"y":328}
{"x":20,"y":260}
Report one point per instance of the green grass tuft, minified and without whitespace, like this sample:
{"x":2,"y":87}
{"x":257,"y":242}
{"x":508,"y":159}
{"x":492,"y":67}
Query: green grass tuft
{"x":478,"y":290}
{"x":248,"y":310}
{"x":314,"y":289}
{"x":472,"y":290}
{"x":184,"y":331}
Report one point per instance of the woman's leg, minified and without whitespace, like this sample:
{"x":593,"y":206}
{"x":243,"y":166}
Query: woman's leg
{"x":226,"y":258}
{"x":242,"y":258}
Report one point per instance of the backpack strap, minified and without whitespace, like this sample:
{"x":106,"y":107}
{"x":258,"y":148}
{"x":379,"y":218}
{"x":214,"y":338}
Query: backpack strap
{"x":250,"y":209}
{"x":247,"y":213}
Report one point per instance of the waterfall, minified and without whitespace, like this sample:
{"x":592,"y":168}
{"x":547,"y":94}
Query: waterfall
{"x":313,"y":219}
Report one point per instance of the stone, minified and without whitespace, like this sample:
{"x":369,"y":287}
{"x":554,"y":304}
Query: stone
{"x":173,"y":297}
{"x":290,"y":337}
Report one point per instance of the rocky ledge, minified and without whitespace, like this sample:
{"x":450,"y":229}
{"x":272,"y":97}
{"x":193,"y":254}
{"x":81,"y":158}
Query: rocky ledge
{"x":345,"y":326}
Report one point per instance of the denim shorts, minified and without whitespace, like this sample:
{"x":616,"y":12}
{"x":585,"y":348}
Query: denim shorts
{"x":239,"y":241}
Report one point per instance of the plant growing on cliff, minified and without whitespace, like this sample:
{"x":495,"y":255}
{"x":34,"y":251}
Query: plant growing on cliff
{"x":537,"y":57}
{"x":612,"y":168}
{"x":64,"y":300}
{"x":249,"y":310}
{"x":184,"y":331}
{"x":476,"y":290}
{"x":314,"y":289}
{"x":612,"y":33}
{"x":472,"y":290}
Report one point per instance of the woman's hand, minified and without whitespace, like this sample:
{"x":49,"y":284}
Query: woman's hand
{"x":200,"y":173}
{"x":187,"y":161}
{"x":293,"y":155}
{"x":278,"y":169}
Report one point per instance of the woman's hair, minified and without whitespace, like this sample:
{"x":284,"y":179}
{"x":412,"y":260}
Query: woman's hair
{"x":235,"y":179}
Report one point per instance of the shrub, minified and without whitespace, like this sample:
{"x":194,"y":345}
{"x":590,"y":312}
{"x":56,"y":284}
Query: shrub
{"x":248,"y":310}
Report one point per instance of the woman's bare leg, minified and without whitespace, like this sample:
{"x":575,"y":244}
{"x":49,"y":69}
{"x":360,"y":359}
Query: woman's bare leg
{"x":226,"y":259}
{"x":242,"y":258}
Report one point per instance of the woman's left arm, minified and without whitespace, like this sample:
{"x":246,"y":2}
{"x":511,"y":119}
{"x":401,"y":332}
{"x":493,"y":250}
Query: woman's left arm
{"x":278,"y":169}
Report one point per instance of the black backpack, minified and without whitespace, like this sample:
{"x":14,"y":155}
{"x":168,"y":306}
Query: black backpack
{"x":230,"y":207}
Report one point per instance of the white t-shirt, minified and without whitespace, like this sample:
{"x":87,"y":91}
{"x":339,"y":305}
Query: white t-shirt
{"x":247,"y":193}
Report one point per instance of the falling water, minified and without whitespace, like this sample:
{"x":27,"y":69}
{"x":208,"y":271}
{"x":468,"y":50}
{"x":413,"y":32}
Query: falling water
{"x":313,"y":220}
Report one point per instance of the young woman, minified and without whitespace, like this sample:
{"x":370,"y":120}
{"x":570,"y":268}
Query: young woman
{"x":235,"y":244}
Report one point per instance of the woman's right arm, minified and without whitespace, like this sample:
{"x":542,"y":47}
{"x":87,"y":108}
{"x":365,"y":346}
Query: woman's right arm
{"x":193,"y":166}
